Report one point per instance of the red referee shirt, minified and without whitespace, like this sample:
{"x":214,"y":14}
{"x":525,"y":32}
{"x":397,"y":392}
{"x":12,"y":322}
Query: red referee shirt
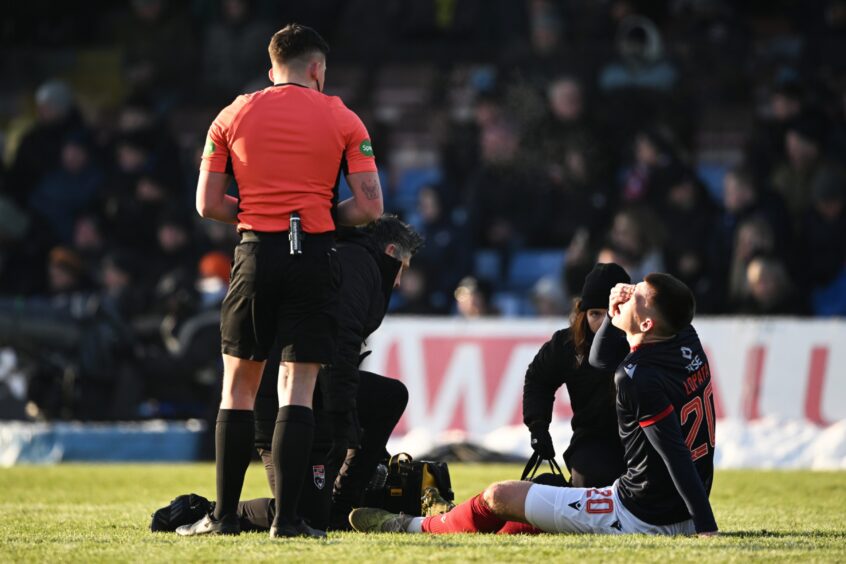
{"x":285,"y":146}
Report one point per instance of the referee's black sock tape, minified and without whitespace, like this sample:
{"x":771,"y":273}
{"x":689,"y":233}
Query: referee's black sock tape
{"x":292,"y":440}
{"x":233,"y":439}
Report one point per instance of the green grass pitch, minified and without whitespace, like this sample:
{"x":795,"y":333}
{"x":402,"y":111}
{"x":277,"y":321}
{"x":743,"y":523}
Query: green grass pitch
{"x":100,"y":513}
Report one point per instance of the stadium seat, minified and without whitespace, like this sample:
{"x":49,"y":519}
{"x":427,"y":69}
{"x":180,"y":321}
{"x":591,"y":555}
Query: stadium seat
{"x":528,"y":266}
{"x":712,"y":174}
{"x":488,"y":266}
{"x":410,"y":182}
{"x":510,"y":304}
{"x":831,"y":300}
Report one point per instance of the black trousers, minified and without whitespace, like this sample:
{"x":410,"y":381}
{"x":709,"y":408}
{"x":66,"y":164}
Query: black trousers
{"x":326,"y":500}
{"x":595,"y":462}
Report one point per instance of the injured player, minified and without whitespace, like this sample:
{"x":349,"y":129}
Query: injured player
{"x":665,"y":412}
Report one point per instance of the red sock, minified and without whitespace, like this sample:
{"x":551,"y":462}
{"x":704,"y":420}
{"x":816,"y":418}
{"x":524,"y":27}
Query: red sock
{"x":518,"y":528}
{"x":472,"y":516}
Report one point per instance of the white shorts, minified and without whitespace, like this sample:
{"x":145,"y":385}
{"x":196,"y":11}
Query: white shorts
{"x":590,"y":510}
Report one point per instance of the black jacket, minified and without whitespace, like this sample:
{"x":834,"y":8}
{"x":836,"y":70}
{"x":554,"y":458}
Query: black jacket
{"x":367,"y":279}
{"x":591,"y":391}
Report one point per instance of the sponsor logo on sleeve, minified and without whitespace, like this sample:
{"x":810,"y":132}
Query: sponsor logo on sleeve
{"x":366,"y":148}
{"x":209,"y":148}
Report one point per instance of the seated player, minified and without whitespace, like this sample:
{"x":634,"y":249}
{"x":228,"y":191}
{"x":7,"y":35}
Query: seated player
{"x":595,"y":454}
{"x":665,"y":413}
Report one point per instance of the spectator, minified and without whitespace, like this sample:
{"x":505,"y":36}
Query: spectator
{"x":231,"y":56}
{"x":122,"y":292}
{"x":21,"y":260}
{"x":156,"y":43}
{"x":770,"y":291}
{"x":65,"y":274}
{"x":765,"y":146}
{"x":576,"y":187}
{"x":500,"y":191}
{"x":688,"y":214}
{"x":213,"y":278}
{"x":655,"y":162}
{"x":89,"y":240}
{"x":446,"y":253}
{"x":62,"y":195}
{"x":821,"y":253}
{"x":742,"y":201}
{"x":413,"y":297}
{"x":548,"y":298}
{"x":174,"y":271}
{"x":635,"y":239}
{"x":641,"y":63}
{"x":803,"y":143}
{"x":137,"y":120}
{"x":40,"y":148}
{"x":473,"y":298}
{"x":754,"y":237}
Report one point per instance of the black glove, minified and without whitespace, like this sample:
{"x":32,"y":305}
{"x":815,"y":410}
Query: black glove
{"x":542,"y":441}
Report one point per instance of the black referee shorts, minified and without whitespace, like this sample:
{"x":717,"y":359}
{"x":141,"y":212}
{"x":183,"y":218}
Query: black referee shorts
{"x":274,"y":295}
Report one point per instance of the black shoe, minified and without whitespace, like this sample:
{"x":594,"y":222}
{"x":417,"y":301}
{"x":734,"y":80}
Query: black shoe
{"x":338,"y":518}
{"x":297,"y":529}
{"x":208,"y":525}
{"x":183,"y":510}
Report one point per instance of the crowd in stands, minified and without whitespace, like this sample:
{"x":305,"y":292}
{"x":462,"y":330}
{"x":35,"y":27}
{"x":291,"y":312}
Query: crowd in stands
{"x":525,"y":140}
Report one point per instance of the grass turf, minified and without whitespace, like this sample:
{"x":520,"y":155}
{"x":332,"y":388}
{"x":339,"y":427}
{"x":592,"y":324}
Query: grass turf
{"x":100,"y":513}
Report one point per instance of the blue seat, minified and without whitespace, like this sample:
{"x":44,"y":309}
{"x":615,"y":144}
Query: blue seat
{"x":409,"y":185}
{"x":712,"y":175}
{"x":831,"y":300}
{"x":528,"y":266}
{"x":509,"y":304}
{"x":488,"y":266}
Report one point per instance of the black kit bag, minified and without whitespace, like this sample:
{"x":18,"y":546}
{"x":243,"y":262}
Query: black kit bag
{"x":555,"y":477}
{"x":405,"y":482}
{"x":184,"y":510}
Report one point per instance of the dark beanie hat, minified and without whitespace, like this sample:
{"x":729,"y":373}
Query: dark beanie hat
{"x":598,"y":284}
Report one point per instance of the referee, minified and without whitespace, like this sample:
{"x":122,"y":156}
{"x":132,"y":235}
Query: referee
{"x":286,"y":146}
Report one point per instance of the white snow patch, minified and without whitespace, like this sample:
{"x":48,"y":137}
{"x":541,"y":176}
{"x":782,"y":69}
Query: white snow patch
{"x":766,"y":443}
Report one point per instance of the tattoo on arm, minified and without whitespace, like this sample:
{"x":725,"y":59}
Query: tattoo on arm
{"x":371,"y":189}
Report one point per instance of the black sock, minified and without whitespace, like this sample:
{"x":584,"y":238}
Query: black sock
{"x":292,"y":440}
{"x":233,"y":439}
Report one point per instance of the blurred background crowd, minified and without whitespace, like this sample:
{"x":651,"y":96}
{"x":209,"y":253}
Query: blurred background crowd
{"x":525,"y":140}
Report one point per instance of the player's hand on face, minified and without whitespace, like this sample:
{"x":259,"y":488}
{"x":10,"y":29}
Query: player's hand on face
{"x":620,"y":294}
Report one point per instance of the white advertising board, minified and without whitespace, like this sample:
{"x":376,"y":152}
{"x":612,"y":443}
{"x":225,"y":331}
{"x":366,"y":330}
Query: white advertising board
{"x":465,"y":378}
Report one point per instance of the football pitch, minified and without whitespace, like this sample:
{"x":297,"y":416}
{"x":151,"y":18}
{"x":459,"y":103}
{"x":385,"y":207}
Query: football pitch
{"x":100,"y":513}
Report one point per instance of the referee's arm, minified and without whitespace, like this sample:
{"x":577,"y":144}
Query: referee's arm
{"x":366,"y":203}
{"x":212,"y":200}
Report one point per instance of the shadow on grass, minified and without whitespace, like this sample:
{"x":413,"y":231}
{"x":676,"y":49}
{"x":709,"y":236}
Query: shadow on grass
{"x":763,"y":533}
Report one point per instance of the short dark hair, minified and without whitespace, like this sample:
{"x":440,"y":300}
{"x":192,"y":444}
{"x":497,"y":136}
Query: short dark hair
{"x":294,"y":41}
{"x":673,"y":301}
{"x":389,"y":229}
